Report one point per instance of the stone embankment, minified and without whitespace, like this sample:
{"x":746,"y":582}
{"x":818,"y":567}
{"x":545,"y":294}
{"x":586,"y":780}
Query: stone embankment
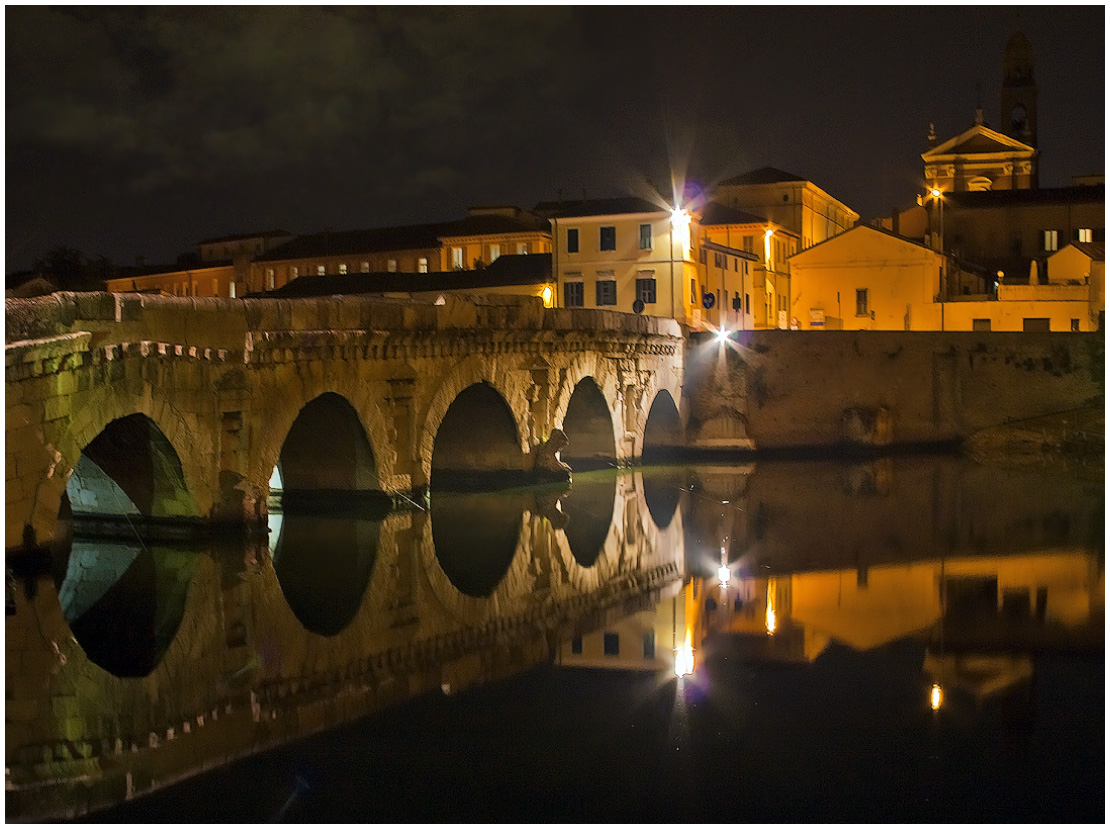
{"x":1070,"y":442}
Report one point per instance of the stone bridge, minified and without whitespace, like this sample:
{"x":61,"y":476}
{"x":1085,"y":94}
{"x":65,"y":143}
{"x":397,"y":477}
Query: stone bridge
{"x":186,"y":410}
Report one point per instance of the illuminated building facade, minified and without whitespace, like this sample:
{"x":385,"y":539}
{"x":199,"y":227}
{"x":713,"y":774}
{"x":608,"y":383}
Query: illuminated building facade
{"x":761,"y":297}
{"x":632,"y":255}
{"x":788,"y":201}
{"x":869,"y":279}
{"x":465,"y":244}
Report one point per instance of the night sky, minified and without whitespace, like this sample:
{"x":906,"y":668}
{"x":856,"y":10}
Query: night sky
{"x":139,"y":132}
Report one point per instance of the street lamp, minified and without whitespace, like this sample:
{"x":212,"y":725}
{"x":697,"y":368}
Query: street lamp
{"x":936,"y":194}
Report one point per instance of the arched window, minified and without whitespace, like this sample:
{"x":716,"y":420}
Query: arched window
{"x":979,"y":183}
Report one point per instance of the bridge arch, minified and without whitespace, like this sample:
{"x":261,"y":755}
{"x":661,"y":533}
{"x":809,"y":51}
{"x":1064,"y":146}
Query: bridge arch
{"x":130,"y":468}
{"x":588,"y":424}
{"x":326,"y":454}
{"x":661,"y":433}
{"x":473,"y":390}
{"x":356,"y":408}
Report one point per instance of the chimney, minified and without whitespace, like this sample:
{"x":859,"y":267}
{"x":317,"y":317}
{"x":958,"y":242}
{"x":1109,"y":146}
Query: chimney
{"x":894,"y":221}
{"x":979,"y":117}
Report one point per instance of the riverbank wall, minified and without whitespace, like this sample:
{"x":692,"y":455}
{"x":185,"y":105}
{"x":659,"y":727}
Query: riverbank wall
{"x":774,"y":391}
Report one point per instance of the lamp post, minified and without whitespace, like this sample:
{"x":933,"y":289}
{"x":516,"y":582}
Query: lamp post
{"x":938,"y":196}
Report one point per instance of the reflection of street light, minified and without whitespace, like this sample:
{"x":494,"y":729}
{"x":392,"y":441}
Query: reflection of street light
{"x":936,"y":697}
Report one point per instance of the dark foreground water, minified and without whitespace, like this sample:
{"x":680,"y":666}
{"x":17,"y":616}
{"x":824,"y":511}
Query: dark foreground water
{"x":847,"y":738}
{"x":911,"y":640}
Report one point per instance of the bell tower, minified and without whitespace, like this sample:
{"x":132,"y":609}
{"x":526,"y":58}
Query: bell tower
{"x":1019,"y":91}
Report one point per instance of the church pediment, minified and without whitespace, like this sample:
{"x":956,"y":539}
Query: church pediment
{"x":979,"y":140}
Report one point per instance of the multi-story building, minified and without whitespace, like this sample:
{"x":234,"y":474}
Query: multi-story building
{"x":632,"y":255}
{"x":464,"y":244}
{"x":789,"y":201}
{"x":762,"y":271}
{"x":220,"y":267}
{"x":870,"y":279}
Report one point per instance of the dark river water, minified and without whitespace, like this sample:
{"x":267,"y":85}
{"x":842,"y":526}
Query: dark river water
{"x":906,"y":639}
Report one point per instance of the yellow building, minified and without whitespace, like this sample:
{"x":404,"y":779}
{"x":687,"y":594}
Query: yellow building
{"x":209,"y":279}
{"x":868,"y":279}
{"x":788,"y":201}
{"x":626,"y":254}
{"x":475,"y":241}
{"x":979,"y":158}
{"x":760,"y":283}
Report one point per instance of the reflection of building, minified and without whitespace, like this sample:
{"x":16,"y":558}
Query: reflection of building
{"x":1052,"y":598}
{"x":647,"y":641}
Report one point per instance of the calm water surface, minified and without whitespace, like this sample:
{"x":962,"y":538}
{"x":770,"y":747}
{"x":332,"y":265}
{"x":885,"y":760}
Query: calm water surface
{"x":913,"y":639}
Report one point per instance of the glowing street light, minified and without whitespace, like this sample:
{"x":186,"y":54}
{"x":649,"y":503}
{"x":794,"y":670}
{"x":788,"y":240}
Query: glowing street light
{"x":547,"y":296}
{"x":684,"y":656}
{"x":722,"y":335}
{"x":723,"y":573}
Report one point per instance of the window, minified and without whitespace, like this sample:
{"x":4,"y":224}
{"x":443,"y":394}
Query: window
{"x":608,"y":238}
{"x":1051,"y":241}
{"x":576,"y":645}
{"x":494,"y":252}
{"x":1035,"y":324}
{"x":521,"y":248}
{"x":457,"y":258}
{"x":693,"y":292}
{"x":645,"y":237}
{"x":718,"y":259}
{"x":320,"y":270}
{"x":980,"y":325}
{"x":573,"y":295}
{"x":645,"y":288}
{"x":294,"y":273}
{"x":606,"y":292}
{"x":649,"y":645}
{"x":365,"y":267}
{"x":216,"y":292}
{"x":572,"y":240}
{"x":231,"y":290}
{"x":749,"y":246}
{"x":1085,"y":235}
{"x":422,"y":265}
{"x":861,"y":302}
{"x":1075,"y":325}
{"x":391,"y":266}
{"x":612,"y":644}
{"x":747,"y":303}
{"x":701,"y":256}
{"x":342,"y":267}
{"x":269,"y":279}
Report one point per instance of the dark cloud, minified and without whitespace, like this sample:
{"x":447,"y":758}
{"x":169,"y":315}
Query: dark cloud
{"x":138,"y":130}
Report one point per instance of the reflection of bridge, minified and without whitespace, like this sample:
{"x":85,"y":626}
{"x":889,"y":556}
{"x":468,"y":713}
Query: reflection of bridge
{"x":219,"y":656}
{"x":173,"y":408}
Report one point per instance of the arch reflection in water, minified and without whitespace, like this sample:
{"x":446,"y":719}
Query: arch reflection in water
{"x":323,"y":564}
{"x":124,"y":601}
{"x":475,"y":537}
{"x":662,"y":487}
{"x":589,"y":507}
